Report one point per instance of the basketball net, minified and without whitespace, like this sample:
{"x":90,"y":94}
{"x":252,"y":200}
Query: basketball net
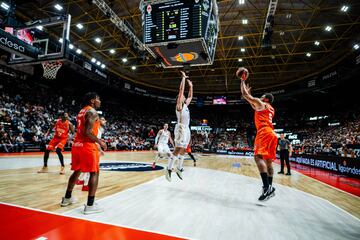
{"x":51,"y":68}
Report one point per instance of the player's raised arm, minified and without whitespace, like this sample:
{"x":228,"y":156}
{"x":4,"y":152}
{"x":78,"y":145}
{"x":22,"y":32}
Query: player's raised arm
{"x":255,"y":103}
{"x":181,"y":91}
{"x":190,"y":94}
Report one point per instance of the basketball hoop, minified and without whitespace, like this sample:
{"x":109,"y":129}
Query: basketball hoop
{"x":51,"y":68}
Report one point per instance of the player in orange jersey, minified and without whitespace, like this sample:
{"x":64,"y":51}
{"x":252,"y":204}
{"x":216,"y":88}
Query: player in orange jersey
{"x":189,"y":152}
{"x":62,"y":126}
{"x":266,"y":139}
{"x":85,"y":155}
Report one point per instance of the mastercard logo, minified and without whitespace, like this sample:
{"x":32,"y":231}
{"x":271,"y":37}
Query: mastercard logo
{"x":185,"y":57}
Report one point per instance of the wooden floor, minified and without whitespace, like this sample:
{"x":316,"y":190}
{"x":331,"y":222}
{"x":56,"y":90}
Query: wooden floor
{"x":23,"y":186}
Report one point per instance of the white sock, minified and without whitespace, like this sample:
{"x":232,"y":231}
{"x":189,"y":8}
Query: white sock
{"x":181,"y":162}
{"x":81,"y":177}
{"x":86,"y":178}
{"x":171,"y":161}
{"x":157,"y":157}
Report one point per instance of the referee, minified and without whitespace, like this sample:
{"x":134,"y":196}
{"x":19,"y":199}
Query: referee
{"x":285,"y":148}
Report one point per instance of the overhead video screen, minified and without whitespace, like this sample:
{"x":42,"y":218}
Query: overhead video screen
{"x":175,"y":20}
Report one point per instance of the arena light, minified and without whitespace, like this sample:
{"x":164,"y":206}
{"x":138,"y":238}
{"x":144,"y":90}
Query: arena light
{"x":241,"y":38}
{"x":40,"y":28}
{"x":102,"y":66}
{"x":5,"y":6}
{"x":240,"y":59}
{"x":124,"y":60}
{"x":133,"y":67}
{"x":98,"y":40}
{"x":98,"y":63}
{"x":58,"y":7}
{"x":245,"y":21}
{"x":79,"y":26}
{"x":241,"y":2}
{"x":328,"y":28}
{"x":78,"y":51}
{"x":282,"y":33}
{"x":344,"y":8}
{"x":308,"y":54}
{"x":356,"y":46}
{"x":71,"y":46}
{"x":242,"y":49}
{"x":288,"y":16}
{"x":317,"y":43}
{"x":93,"y":60}
{"x":112,"y":51}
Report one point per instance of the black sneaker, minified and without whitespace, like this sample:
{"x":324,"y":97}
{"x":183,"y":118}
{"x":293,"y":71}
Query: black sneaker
{"x":281,"y":172}
{"x":288,"y":174}
{"x":179,"y":172}
{"x":267,"y":193}
{"x":168,"y":174}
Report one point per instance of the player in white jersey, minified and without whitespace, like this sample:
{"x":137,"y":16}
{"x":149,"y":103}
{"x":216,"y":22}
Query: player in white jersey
{"x":84,"y":177}
{"x":161,"y":142}
{"x":182,"y":129}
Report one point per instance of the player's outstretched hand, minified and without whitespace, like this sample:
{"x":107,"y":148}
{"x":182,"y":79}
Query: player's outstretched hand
{"x":184,"y":74}
{"x":242,"y":73}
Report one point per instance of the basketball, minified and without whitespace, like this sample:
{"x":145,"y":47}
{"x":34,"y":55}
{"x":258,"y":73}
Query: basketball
{"x":242,"y":73}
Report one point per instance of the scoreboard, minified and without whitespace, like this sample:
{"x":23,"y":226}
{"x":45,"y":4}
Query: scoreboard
{"x":180,"y":31}
{"x":175,"y":20}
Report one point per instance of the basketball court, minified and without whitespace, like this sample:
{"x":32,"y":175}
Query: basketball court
{"x":216,"y":200}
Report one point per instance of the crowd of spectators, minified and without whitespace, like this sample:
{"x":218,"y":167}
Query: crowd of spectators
{"x":25,"y":119}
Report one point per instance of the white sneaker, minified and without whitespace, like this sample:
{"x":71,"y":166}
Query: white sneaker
{"x":92,"y":209}
{"x":67,"y":201}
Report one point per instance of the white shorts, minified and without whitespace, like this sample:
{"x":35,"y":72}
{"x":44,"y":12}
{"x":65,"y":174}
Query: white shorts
{"x":163,"y":148}
{"x":182,"y":135}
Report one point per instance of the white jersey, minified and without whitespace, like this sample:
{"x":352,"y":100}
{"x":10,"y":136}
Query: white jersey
{"x":164,"y":137}
{"x":183,"y":116}
{"x":100,"y":132}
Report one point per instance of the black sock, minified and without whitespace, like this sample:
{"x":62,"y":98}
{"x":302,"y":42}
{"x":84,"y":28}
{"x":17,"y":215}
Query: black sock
{"x":192,"y":157}
{"x":265,"y":180}
{"x":68,"y":194}
{"x":270,"y":178}
{"x":46,"y":157}
{"x":90,"y":200}
{"x":61,"y":157}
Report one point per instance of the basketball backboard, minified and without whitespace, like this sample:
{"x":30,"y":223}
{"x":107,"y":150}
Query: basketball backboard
{"x":50,"y":37}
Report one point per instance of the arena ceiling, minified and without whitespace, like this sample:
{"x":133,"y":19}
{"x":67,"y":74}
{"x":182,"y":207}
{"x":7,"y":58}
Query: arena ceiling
{"x":298,"y":24}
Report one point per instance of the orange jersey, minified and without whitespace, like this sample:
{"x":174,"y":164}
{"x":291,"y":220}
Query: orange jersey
{"x":62,"y":129}
{"x":80,"y":126}
{"x":264,"y":118}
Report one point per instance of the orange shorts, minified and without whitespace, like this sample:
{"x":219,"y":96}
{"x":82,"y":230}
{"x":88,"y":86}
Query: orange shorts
{"x":188,"y":149}
{"x":266,"y":143}
{"x":85,"y":157}
{"x":56,"y":142}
